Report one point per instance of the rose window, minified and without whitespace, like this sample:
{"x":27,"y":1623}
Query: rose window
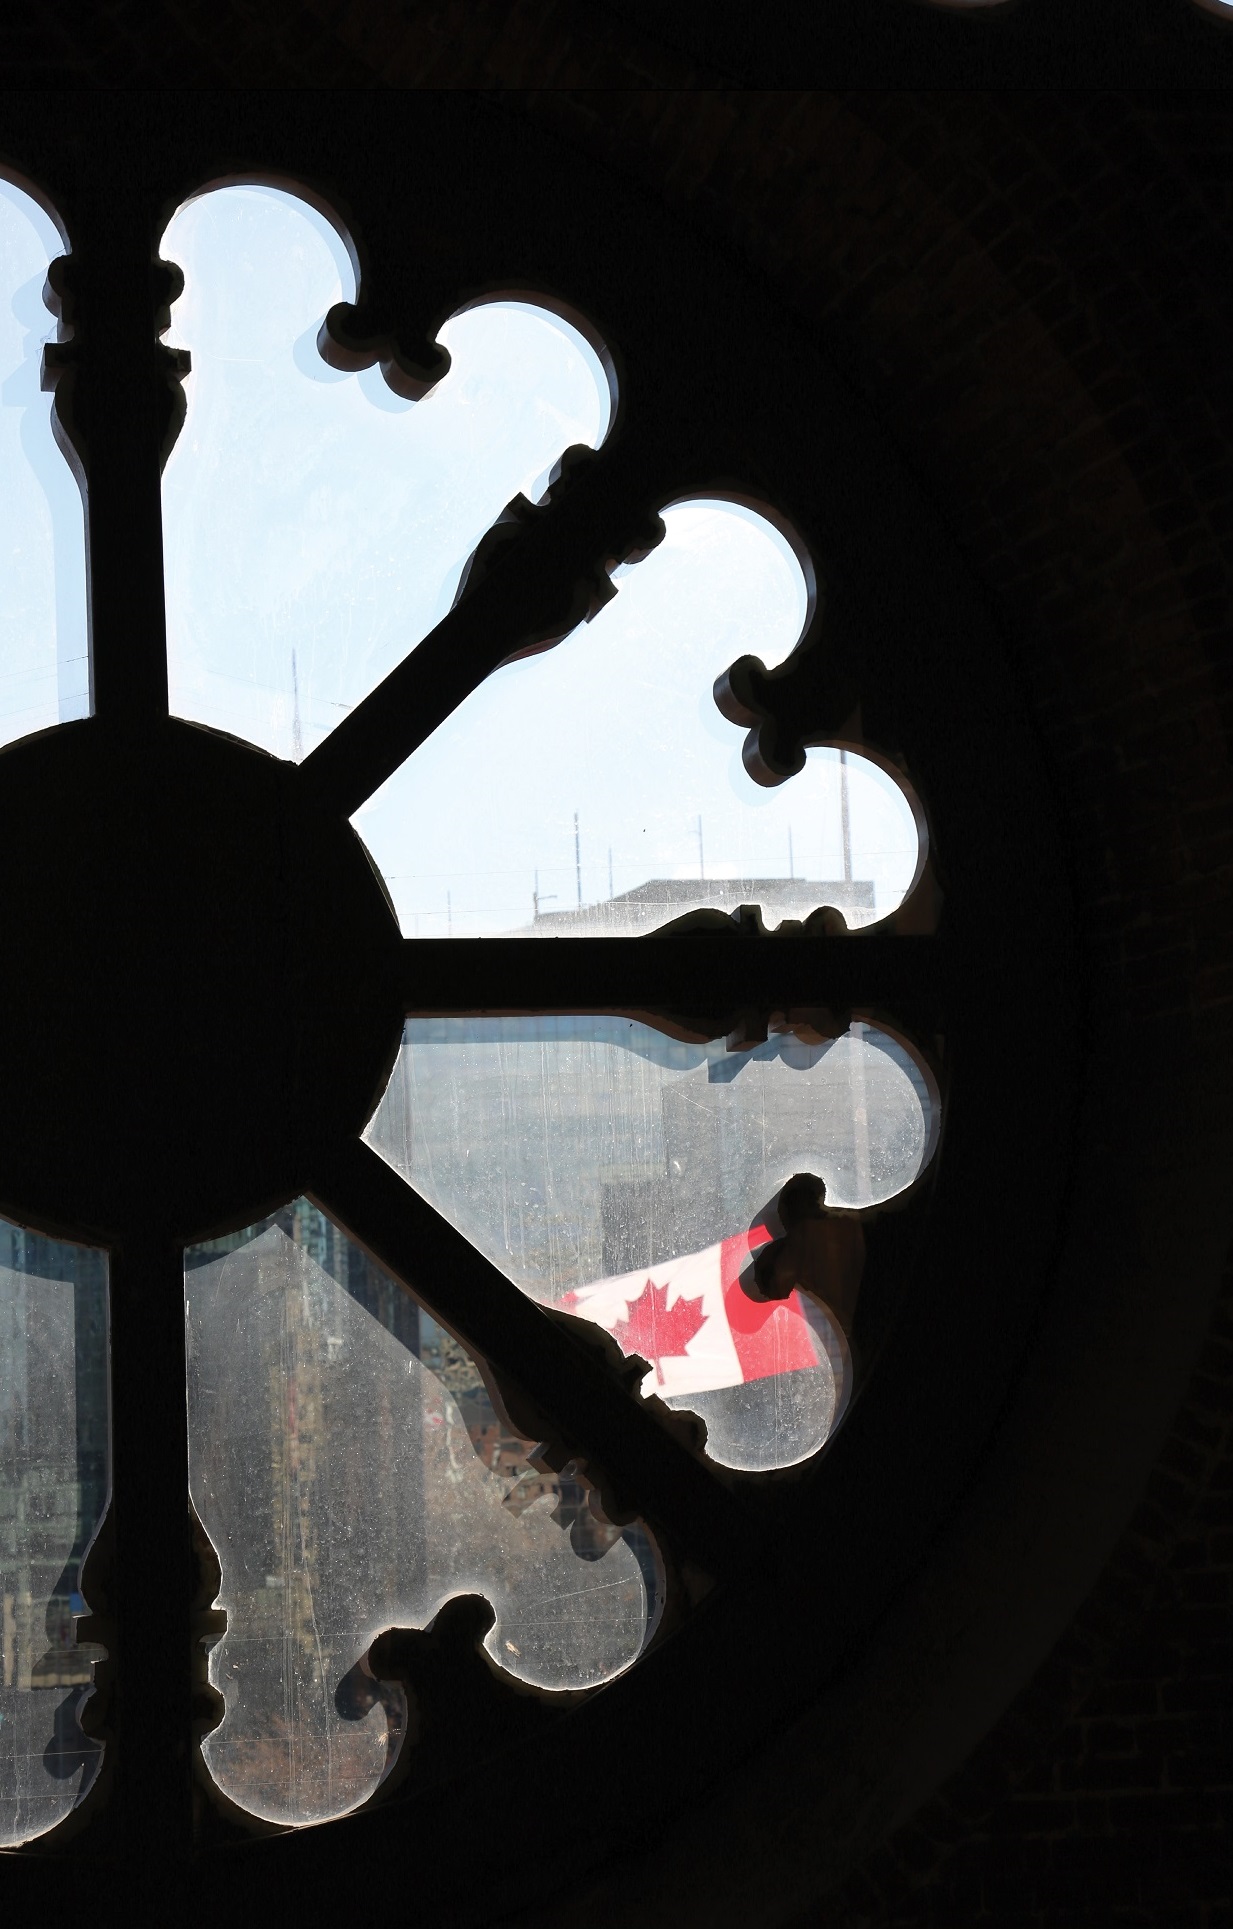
{"x":538,"y":1295}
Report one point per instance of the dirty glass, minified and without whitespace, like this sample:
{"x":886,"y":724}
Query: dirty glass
{"x":346,"y":513}
{"x":631,"y":1178}
{"x":595,"y":789}
{"x":44,"y":670}
{"x":53,"y":1492}
{"x":353,"y":1475}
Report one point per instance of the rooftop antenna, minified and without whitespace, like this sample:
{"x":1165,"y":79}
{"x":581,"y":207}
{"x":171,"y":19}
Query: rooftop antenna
{"x":701,"y":864}
{"x":297,"y":734}
{"x":845,"y":819}
{"x":577,"y":860}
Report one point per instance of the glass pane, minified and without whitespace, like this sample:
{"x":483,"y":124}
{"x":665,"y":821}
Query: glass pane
{"x":353,"y":1475}
{"x":629,"y":1178}
{"x":346,"y":513}
{"x":623,"y":799}
{"x":54,"y":1480}
{"x":44,"y":666}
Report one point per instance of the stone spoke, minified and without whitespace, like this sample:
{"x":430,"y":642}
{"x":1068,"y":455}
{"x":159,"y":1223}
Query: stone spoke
{"x":117,"y":404}
{"x":705,"y":984}
{"x":138,"y":1576}
{"x":532,"y":580}
{"x":559,"y":1378}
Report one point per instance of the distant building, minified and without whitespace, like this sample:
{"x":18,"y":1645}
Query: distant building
{"x":661,"y":899}
{"x":53,"y":1452}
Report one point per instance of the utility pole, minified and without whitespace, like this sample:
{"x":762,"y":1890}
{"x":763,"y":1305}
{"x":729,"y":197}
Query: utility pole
{"x":701,"y":864}
{"x":791,"y":859}
{"x":845,"y":820}
{"x":535,"y":898}
{"x":577,"y":860}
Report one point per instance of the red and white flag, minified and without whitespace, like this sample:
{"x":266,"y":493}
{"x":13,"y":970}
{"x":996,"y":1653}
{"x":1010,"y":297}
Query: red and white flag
{"x":693,"y":1321}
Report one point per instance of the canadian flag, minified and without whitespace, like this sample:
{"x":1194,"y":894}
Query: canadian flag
{"x":696,"y":1325}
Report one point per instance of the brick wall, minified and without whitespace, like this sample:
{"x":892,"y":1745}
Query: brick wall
{"x":1105,"y":1793}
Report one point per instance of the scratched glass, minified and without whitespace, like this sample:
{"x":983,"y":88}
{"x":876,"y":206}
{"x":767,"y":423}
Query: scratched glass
{"x":44,"y":671}
{"x":630,"y":1178}
{"x":345,"y":512}
{"x":353,"y":1475}
{"x":54,"y":1481}
{"x":621,"y":800}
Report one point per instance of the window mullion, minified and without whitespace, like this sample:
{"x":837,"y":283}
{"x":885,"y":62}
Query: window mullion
{"x":139,"y":1579}
{"x":115,"y":406}
{"x":543,"y":582}
{"x":701,"y":984}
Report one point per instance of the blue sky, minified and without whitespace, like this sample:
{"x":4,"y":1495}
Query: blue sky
{"x":44,"y":676}
{"x":316,"y":527}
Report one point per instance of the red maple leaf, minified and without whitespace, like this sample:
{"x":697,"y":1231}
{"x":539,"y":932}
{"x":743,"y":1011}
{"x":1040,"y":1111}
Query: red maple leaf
{"x":657,"y":1331}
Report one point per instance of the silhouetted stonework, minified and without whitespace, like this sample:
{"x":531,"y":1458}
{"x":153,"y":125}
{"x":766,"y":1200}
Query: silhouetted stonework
{"x":649,"y":906}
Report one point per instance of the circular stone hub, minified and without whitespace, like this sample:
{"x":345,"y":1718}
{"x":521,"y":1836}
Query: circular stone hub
{"x":200,"y":985}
